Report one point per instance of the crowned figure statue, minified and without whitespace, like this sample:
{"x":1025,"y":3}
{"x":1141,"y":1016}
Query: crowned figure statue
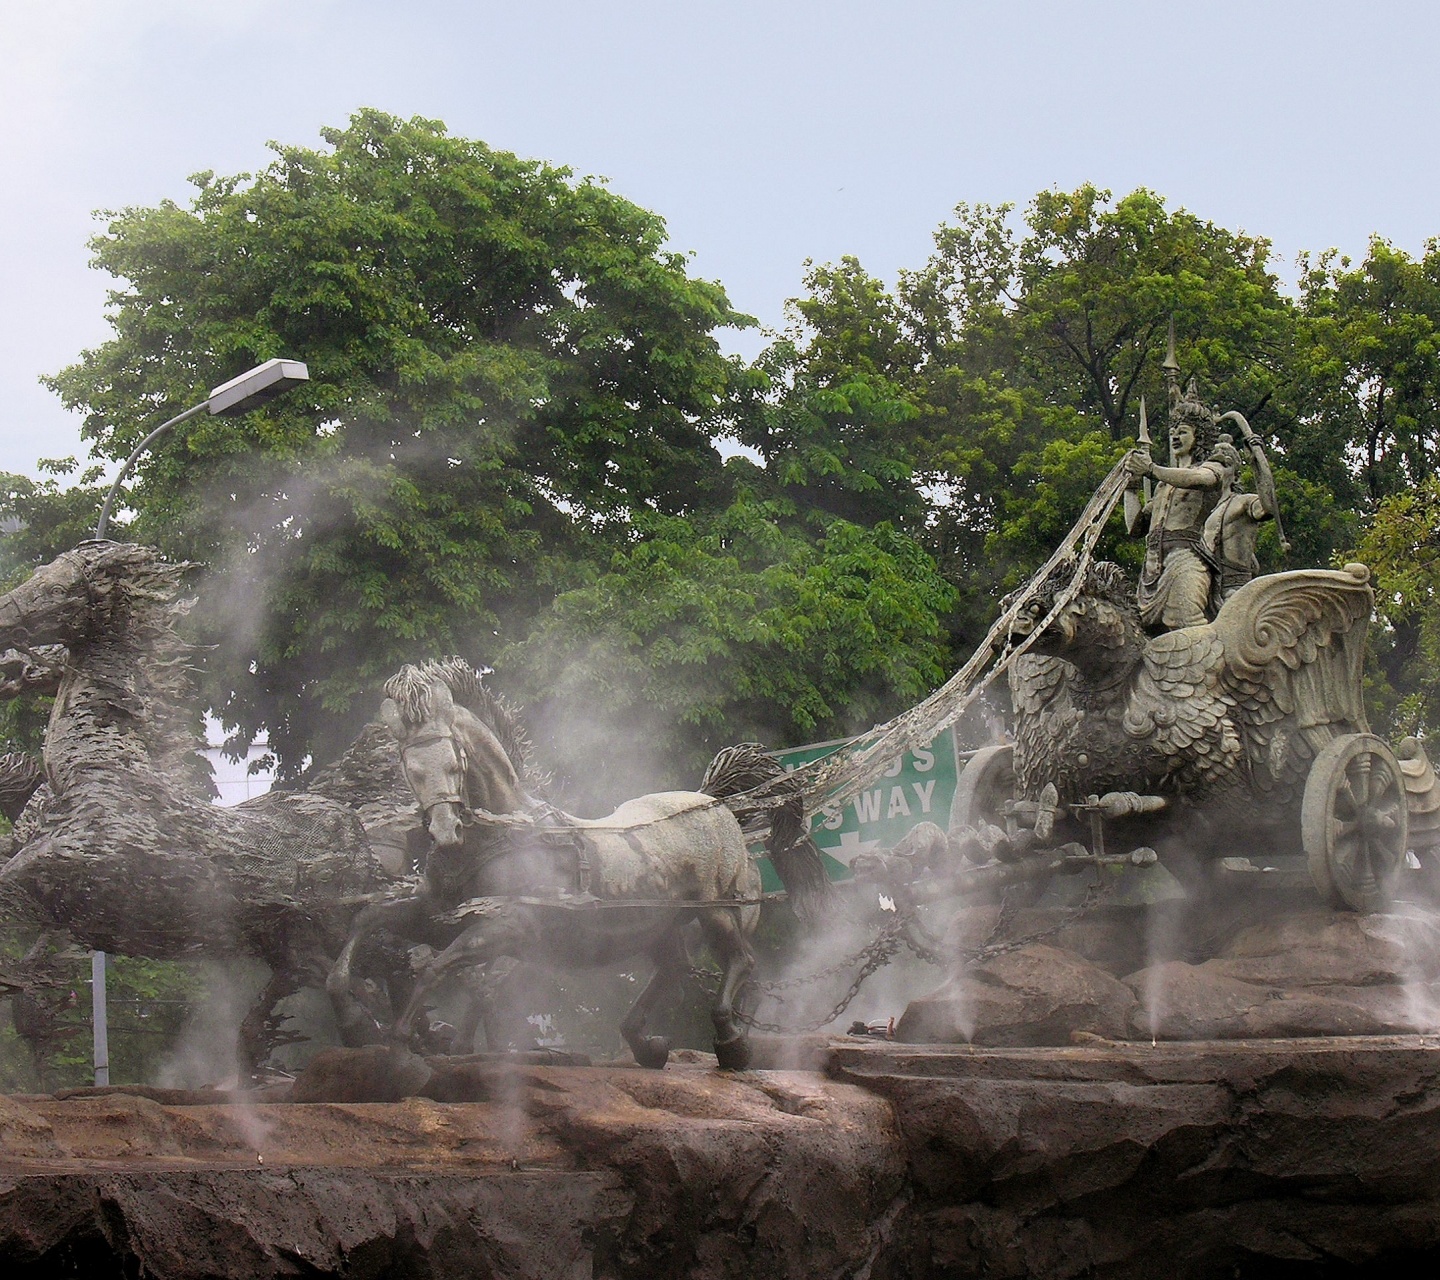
{"x":1200,"y":536}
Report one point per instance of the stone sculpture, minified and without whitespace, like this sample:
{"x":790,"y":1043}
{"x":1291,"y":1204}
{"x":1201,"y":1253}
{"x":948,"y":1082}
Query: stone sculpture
{"x":1228,"y":538}
{"x":1251,"y":728}
{"x":131,"y":856}
{"x":1200,"y":540}
{"x":508,"y":875}
{"x":1175,"y":582}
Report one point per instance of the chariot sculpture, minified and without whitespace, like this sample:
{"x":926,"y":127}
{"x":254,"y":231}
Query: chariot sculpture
{"x":1205,"y":711}
{"x":1202,"y":713}
{"x":1246,"y":734}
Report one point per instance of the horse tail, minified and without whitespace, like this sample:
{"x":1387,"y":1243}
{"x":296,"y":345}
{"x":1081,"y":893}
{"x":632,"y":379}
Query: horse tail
{"x":755,"y":786}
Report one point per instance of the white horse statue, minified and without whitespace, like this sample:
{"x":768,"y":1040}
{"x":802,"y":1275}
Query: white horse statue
{"x":508,"y":875}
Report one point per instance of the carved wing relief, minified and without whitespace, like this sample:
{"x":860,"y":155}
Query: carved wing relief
{"x":1180,"y":705}
{"x":1044,"y":717}
{"x":1294,"y":648}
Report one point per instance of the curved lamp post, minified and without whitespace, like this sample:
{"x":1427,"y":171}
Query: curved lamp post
{"x":249,"y":391}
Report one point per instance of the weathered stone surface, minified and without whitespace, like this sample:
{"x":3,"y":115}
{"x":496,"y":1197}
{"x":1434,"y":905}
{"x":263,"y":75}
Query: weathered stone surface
{"x":1303,"y":1158}
{"x":24,"y":1135}
{"x":566,"y":1172}
{"x":1335,"y":948}
{"x":375,"y":1073}
{"x":1314,"y":973}
{"x":1306,"y":1158}
{"x":1037,"y":994}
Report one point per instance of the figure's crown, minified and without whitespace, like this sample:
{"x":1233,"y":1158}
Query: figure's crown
{"x":1189,"y":407}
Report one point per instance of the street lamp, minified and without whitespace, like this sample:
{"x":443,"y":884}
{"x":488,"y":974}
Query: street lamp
{"x":249,"y":391}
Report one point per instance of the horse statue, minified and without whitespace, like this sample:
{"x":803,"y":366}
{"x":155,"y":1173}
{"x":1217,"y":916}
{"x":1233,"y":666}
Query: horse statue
{"x":131,"y":856}
{"x":509,"y":875}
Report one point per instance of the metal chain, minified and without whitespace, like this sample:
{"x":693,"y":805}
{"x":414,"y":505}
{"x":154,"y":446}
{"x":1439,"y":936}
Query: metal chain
{"x":877,"y":953}
{"x":992,"y":949}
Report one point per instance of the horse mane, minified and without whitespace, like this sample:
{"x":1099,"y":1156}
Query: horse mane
{"x":1109,"y":581}
{"x":763,"y":796}
{"x":135,"y":583}
{"x":140,"y":573}
{"x":412,"y":691}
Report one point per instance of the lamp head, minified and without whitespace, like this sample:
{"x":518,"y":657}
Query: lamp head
{"x":257,"y":386}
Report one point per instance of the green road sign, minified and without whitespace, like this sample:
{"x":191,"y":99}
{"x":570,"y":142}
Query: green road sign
{"x":917,"y":788}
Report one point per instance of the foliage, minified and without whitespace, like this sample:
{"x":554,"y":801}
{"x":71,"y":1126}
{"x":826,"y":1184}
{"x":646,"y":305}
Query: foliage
{"x":506,"y":449}
{"x":737,"y":626}
{"x":1402,"y":546}
{"x":1003,"y":378}
{"x":46,"y":1042}
{"x":43,"y":518}
{"x":505,"y":362}
{"x":1371,"y":360}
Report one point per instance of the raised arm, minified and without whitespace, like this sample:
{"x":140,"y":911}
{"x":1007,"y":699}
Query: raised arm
{"x":1205,"y":476}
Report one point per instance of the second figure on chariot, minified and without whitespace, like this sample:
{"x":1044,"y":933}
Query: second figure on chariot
{"x":1202,"y":527}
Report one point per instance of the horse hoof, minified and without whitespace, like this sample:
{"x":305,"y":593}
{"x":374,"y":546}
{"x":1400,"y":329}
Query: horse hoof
{"x":733,"y":1054}
{"x":652,"y":1051}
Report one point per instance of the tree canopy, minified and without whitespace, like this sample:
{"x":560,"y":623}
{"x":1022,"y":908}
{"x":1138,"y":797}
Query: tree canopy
{"x":504,"y":362}
{"x":508,"y":447}
{"x":515,"y":383}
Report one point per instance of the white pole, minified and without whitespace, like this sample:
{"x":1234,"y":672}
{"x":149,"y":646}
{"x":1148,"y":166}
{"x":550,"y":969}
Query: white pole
{"x":102,"y":1028}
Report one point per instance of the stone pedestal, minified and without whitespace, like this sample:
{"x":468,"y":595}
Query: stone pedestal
{"x":1243,"y":1158}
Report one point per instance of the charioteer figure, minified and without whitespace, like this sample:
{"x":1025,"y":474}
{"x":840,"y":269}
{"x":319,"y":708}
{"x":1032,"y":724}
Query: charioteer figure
{"x":1202,"y":530}
{"x":1174,"y":587}
{"x":1233,"y":527}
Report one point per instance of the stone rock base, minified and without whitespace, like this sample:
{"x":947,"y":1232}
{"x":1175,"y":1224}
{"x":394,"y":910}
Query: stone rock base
{"x":1308,"y":972}
{"x":1242,"y":1159}
{"x":563,"y":1172}
{"x":1316,"y":973}
{"x":1032,"y":996}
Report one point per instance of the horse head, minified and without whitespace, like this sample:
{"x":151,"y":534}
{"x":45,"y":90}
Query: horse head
{"x":455,"y":764}
{"x":95,"y":588}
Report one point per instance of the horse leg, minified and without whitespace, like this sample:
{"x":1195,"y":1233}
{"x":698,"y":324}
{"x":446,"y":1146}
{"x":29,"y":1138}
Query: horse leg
{"x":401,"y":915}
{"x":494,"y":1005}
{"x":256,"y":1036}
{"x":670,"y":961}
{"x":476,"y":945}
{"x":726,"y":934}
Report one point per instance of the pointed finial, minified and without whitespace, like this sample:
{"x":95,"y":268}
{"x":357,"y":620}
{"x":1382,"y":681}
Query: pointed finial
{"x":1171,"y":364}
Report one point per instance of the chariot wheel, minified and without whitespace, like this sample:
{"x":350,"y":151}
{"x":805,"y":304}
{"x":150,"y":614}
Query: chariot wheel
{"x":1353,"y":822}
{"x":987,"y":784}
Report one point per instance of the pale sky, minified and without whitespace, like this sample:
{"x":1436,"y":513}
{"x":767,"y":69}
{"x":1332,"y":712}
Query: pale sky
{"x":765,"y":133}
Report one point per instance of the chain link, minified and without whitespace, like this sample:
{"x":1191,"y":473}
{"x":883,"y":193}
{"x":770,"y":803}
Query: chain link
{"x":904,"y":931}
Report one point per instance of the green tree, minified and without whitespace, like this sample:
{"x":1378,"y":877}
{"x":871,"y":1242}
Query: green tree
{"x":828,"y":406}
{"x":1370,"y":421}
{"x":742,"y":625}
{"x":506,"y":363}
{"x":1002,"y":379}
{"x":1402,"y":546}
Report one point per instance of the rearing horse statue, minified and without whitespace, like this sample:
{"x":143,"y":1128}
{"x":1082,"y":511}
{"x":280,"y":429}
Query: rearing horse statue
{"x":132,"y":857}
{"x":510,"y":876}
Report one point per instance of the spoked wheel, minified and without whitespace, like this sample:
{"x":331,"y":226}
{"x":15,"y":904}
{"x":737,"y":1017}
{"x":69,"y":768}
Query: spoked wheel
{"x":1353,"y":822}
{"x":987,"y":784}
